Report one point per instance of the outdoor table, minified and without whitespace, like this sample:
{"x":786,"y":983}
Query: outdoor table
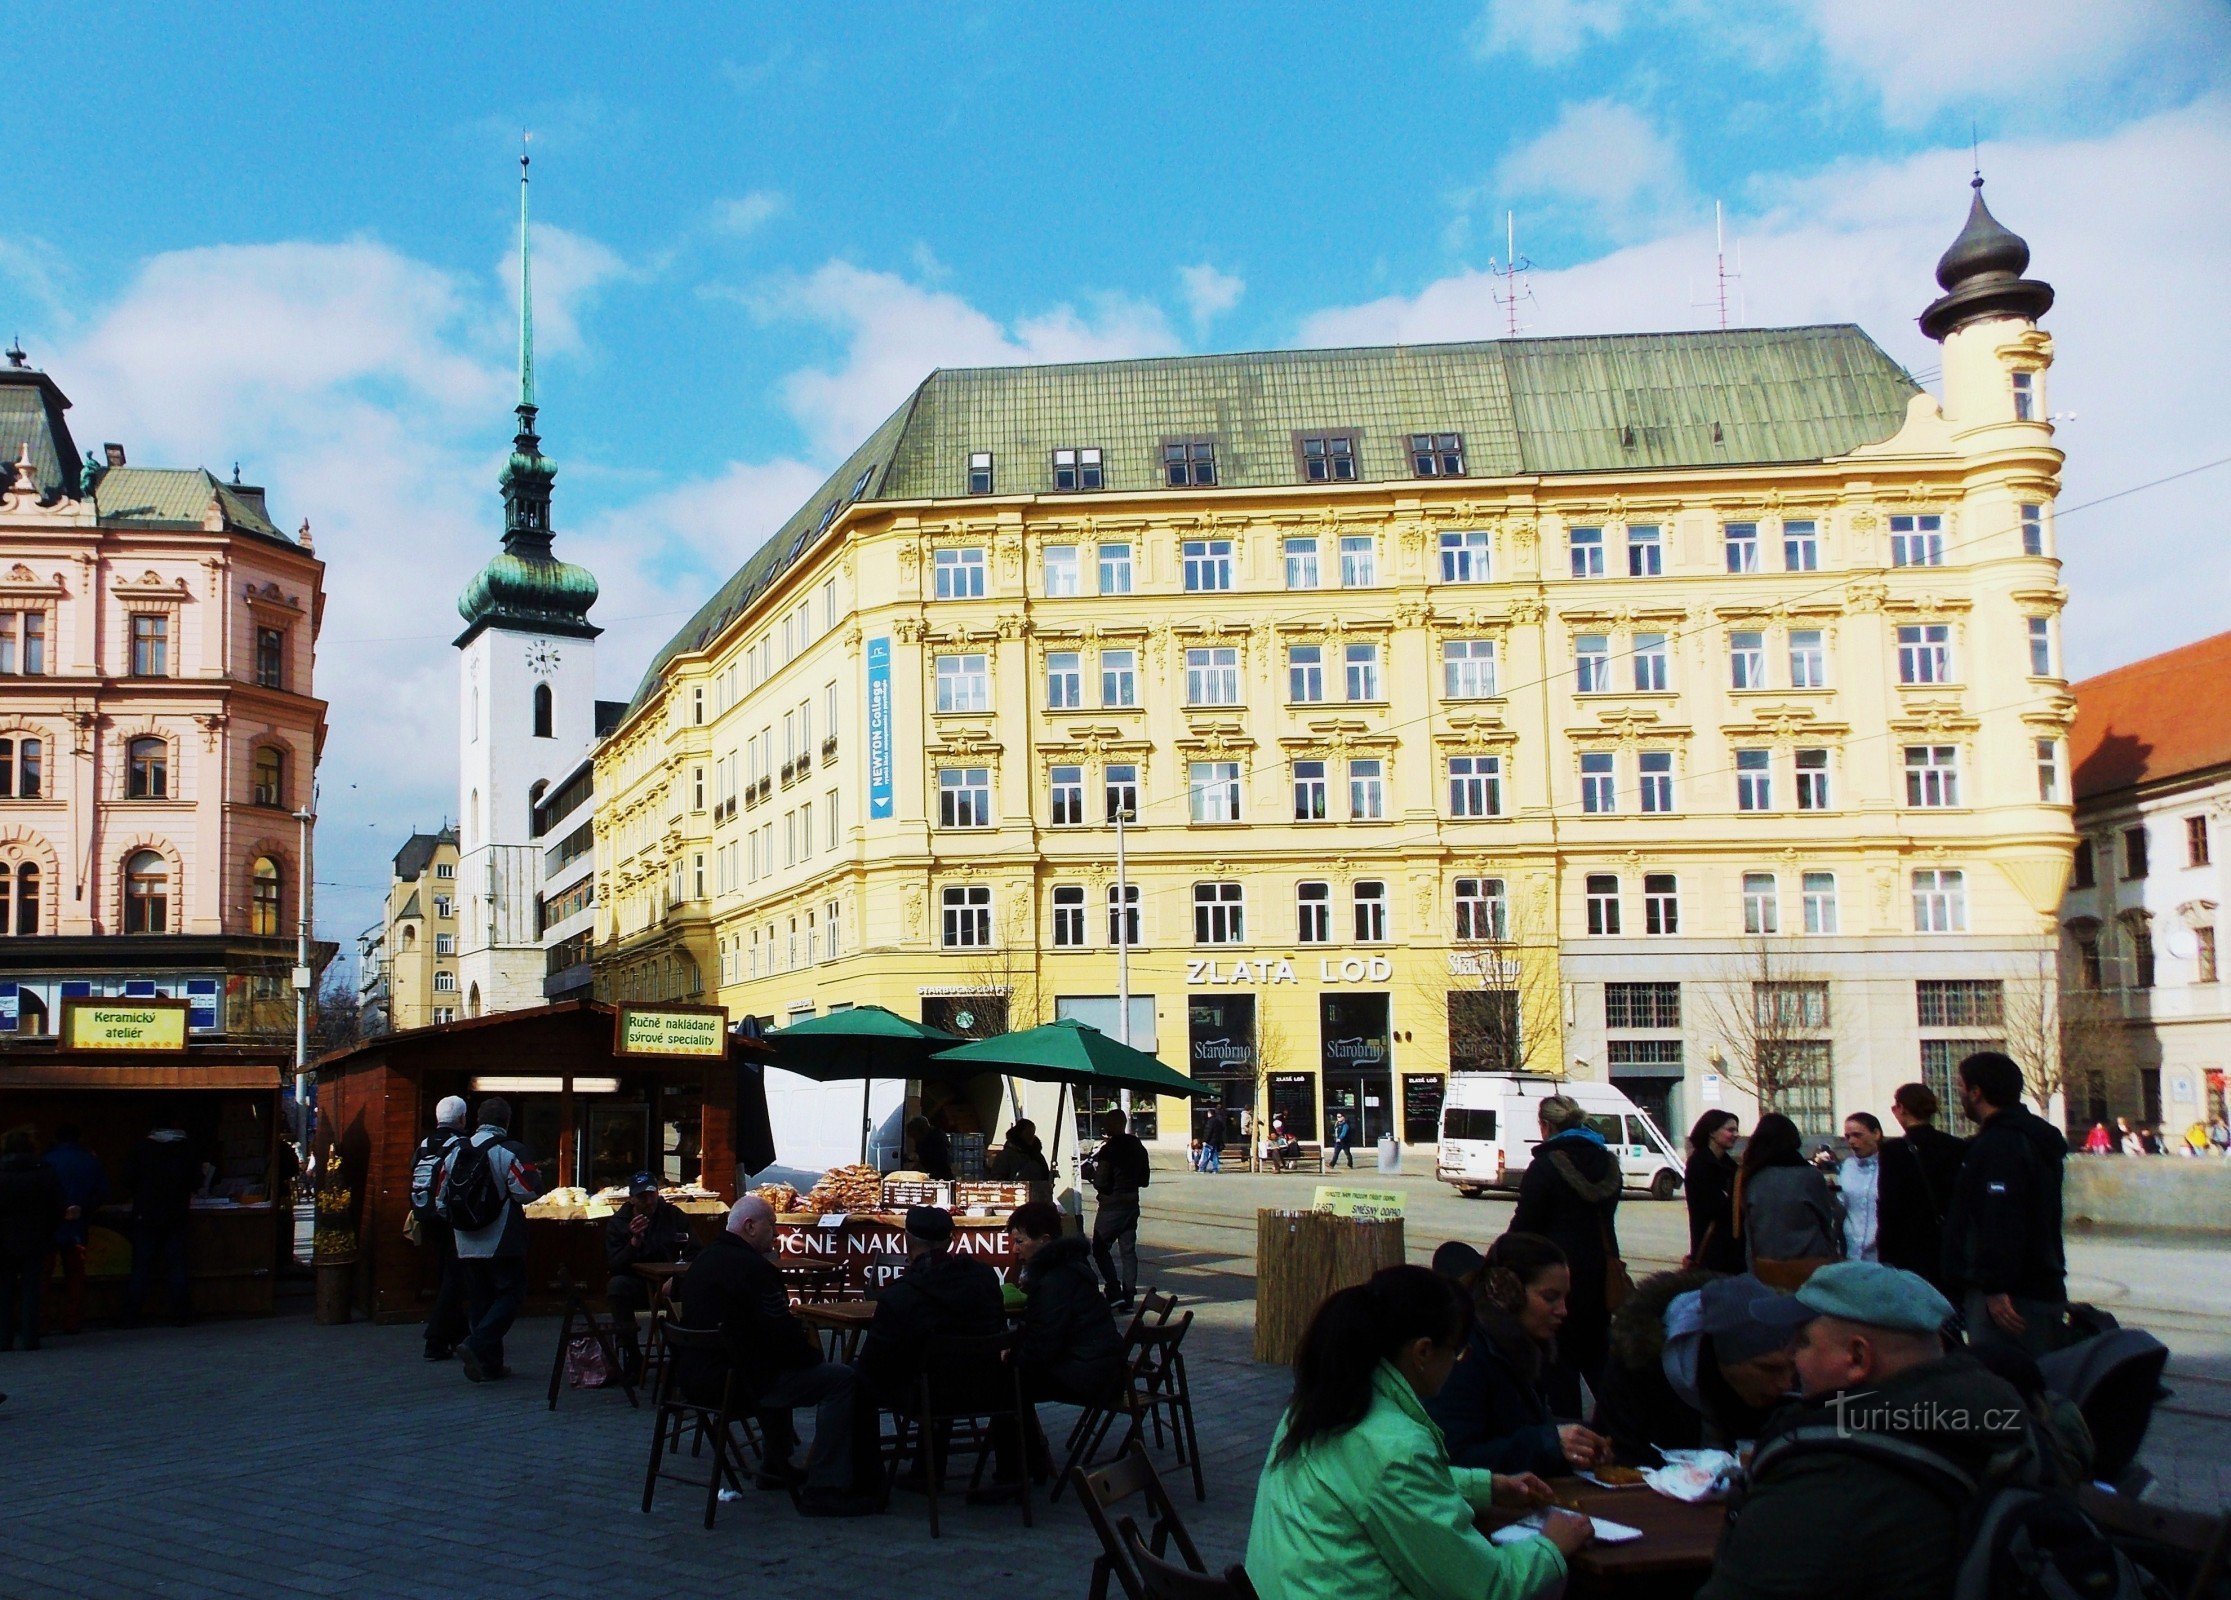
{"x":844,"y":1321}
{"x":659,"y":1274}
{"x":1673,"y":1556}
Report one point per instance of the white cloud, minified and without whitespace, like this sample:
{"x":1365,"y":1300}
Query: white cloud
{"x":570,"y":270}
{"x":898,"y":331}
{"x":747,"y":214}
{"x":1209,"y":293}
{"x":1544,"y":31}
{"x":1600,"y":155}
{"x":2130,"y":229}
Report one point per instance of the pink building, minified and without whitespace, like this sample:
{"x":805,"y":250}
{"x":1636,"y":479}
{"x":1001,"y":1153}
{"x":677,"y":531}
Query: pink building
{"x":157,"y":729}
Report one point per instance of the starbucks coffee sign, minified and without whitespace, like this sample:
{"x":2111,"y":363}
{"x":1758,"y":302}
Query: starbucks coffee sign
{"x":1270,"y":969}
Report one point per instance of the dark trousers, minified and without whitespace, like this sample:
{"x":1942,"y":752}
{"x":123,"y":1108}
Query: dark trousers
{"x":445,"y":1323}
{"x":624,"y":1295}
{"x":21,"y":1279}
{"x":1115,"y":1242}
{"x":1341,"y":1147}
{"x":164,"y":1242}
{"x":494,"y":1288}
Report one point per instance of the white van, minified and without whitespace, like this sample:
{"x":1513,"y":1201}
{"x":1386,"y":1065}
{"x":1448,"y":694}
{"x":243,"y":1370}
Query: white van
{"x":1491,"y":1121}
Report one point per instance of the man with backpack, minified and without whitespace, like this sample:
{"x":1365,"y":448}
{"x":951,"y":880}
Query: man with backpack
{"x":1117,"y":1169}
{"x":2002,"y":1231}
{"x":485,"y":1183}
{"x":445,"y":1323}
{"x":1866,"y":1486}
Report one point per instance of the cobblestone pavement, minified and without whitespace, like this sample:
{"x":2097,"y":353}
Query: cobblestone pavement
{"x":279,"y":1458}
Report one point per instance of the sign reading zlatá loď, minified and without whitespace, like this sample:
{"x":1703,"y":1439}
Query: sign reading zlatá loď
{"x":672,"y":1031}
{"x":146,"y":1025}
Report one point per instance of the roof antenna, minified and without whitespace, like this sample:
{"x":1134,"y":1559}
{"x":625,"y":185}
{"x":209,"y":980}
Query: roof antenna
{"x":1722,"y":274}
{"x":1975,"y":152}
{"x":1512,"y":272}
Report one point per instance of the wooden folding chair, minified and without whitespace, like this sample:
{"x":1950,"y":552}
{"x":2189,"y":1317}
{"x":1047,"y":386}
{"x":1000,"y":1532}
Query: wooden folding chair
{"x":963,"y":1397}
{"x":2177,"y":1545}
{"x":721,"y":1423}
{"x":1159,"y":1580}
{"x":1154,"y":1383}
{"x":1100,"y":1491}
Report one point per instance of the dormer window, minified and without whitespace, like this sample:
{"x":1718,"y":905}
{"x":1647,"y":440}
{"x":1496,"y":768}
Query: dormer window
{"x":1078,"y":468}
{"x":1437,"y":455}
{"x":1189,"y":463}
{"x":980,"y":472}
{"x":1327,"y":457}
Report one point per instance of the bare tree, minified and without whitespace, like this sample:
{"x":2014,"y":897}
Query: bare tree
{"x":337,"y":1021}
{"x":1771,"y":1015}
{"x":1501,"y":992}
{"x":2065,"y":1036}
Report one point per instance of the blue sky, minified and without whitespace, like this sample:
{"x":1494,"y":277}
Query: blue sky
{"x":281,"y":236}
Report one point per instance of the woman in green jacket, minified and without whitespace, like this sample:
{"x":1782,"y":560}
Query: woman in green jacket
{"x":1358,"y":1500}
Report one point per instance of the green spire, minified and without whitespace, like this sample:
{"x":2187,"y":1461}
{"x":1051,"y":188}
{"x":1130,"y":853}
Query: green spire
{"x":526,"y":301}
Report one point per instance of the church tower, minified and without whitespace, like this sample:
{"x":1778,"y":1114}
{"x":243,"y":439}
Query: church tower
{"x":526,"y":707}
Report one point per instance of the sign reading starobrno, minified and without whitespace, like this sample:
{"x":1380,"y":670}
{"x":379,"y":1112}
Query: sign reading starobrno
{"x":672,"y":1031}
{"x":124,"y":1025}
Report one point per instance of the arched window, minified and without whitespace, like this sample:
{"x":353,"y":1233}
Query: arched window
{"x":147,"y":769}
{"x":263,"y":896}
{"x":146,"y":894}
{"x":269,"y":776}
{"x":26,"y":920}
{"x":20,"y":769}
{"x":472,"y":1001}
{"x":410,"y":938}
{"x":542,"y":711}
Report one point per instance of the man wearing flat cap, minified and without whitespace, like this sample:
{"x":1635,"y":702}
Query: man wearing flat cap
{"x":941,"y":1292}
{"x":1890,"y":1428}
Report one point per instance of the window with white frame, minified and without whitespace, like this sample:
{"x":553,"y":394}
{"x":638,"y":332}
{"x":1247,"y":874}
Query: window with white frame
{"x":1119,"y":678}
{"x":1313,"y":913}
{"x":1592,"y":663}
{"x":1065,"y":680}
{"x":1301,"y":563}
{"x":1362,"y":663}
{"x":1371,"y":912}
{"x":1932,"y":775}
{"x":1305,"y":673}
{"x":1059,"y":568}
{"x":1215,"y":790}
{"x":1120,"y":791}
{"x":1746,"y":660}
{"x":1359,"y":561}
{"x":1599,"y":784}
{"x":2049,"y":773}
{"x":979,"y":472}
{"x":1762,"y":903}
{"x":1066,"y":796}
{"x":959,"y":573}
{"x":1078,"y":468}
{"x":1603,"y":903}
{"x":2025,"y":397}
{"x":1645,"y":551}
{"x":1819,"y":890}
{"x":1800,"y":547}
{"x":967,"y":916}
{"x":964,"y":797}
{"x":1754,"y":780}
{"x":1328,"y":457}
{"x":1219,"y":914}
{"x":1482,"y":914}
{"x":1367,"y":790}
{"x":1652,"y":672}
{"x":1587,"y":551}
{"x":1812,"y":780}
{"x":1917,"y":541}
{"x":1212,"y":676}
{"x":1475,"y":786}
{"x":1940,"y":901}
{"x":1468,"y":669}
{"x":1925,"y":653}
{"x":1310,"y":802}
{"x":1123,"y":915}
{"x":1654,"y":770}
{"x":1741,"y":542}
{"x":1464,"y":556}
{"x":2033,"y":529}
{"x":1808,"y":659}
{"x":445,"y":983}
{"x":445,"y":944}
{"x":23,"y":644}
{"x":2041,"y":647}
{"x":1661,"y":903}
{"x":1208,"y":565}
{"x":1069,"y":916}
{"x":1115,"y":569}
{"x":963,"y":683}
{"x":1437,"y":455}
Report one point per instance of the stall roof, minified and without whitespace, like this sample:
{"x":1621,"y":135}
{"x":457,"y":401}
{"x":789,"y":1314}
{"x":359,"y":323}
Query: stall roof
{"x":78,"y":1072}
{"x":571,"y":1038}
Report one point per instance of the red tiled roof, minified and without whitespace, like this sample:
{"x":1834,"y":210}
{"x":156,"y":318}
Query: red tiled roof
{"x":2153,"y":719}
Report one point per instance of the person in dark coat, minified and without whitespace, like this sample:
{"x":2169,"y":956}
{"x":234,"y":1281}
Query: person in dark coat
{"x":1068,"y":1346}
{"x":1783,"y":1207}
{"x":446,"y":1322}
{"x":1216,"y":1132}
{"x":31,"y":1209}
{"x":163,"y":1172}
{"x":1690,"y":1367}
{"x":1494,"y":1410}
{"x":939,"y":1294}
{"x":933,"y":1152}
{"x":1919,"y":1171}
{"x":647,"y":1229}
{"x":1570,"y":1196}
{"x":84,"y":1190}
{"x":2002,"y":1234}
{"x":1708,"y":1185}
{"x":1022,"y":1159}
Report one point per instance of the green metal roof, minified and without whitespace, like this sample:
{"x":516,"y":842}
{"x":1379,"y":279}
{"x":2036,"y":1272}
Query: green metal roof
{"x":1608,"y":403}
{"x":166,"y":497}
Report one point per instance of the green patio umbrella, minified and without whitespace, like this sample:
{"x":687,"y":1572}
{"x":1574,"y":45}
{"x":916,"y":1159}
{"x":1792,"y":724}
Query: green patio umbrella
{"x":863,"y":1043}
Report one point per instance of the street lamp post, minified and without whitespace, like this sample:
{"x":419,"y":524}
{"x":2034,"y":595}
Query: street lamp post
{"x":303,"y":818}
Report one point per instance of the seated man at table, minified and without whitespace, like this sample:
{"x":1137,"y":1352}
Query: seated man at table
{"x":735,"y":1286}
{"x":646,"y":1229}
{"x":1840,"y":1504}
{"x":939,"y":1294}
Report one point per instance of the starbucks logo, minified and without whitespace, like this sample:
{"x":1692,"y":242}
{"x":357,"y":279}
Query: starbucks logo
{"x":964,"y":1019}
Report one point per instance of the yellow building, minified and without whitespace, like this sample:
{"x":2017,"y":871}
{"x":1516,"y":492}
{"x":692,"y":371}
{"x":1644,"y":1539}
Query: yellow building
{"x":417,"y":950}
{"x":1690,"y":698}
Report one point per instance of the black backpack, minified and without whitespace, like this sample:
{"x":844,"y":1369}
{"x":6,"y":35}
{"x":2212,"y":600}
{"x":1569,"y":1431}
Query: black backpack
{"x":472,"y":1198}
{"x":2020,"y":1538}
{"x":426,"y":1175}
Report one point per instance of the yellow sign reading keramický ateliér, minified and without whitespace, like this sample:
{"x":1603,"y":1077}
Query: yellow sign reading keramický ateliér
{"x":155,"y":1025}
{"x":672,"y":1031}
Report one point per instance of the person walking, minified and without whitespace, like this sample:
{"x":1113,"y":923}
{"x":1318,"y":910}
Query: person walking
{"x":1570,"y":1196}
{"x":1117,"y":1169}
{"x":445,"y":1320}
{"x":84,"y":1190}
{"x":1918,"y":1170}
{"x":1343,"y":1142}
{"x":163,"y":1172}
{"x":1215,"y":1133}
{"x":2002,"y":1246}
{"x":486,"y":1183}
{"x":1783,"y":1207}
{"x":30,"y":1212}
{"x":1708,"y":1187}
{"x":1859,"y":1186}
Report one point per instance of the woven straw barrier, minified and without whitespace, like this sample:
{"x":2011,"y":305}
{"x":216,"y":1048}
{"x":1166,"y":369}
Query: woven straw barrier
{"x":1301,"y":1258}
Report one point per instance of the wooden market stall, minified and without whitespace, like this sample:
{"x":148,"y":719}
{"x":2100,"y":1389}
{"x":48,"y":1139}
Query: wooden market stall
{"x":598,"y":1093}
